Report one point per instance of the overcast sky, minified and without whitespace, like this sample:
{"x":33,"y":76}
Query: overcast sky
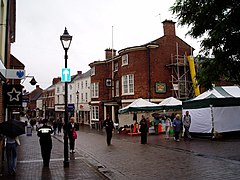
{"x":39,"y":24}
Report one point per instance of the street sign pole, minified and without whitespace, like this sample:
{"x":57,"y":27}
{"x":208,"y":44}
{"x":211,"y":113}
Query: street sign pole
{"x":66,"y":161}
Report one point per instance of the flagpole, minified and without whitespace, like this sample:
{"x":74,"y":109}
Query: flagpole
{"x":112,"y":66}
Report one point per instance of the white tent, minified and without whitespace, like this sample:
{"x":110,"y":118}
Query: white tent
{"x":171,"y":103}
{"x":138,"y":105}
{"x":217,"y":109}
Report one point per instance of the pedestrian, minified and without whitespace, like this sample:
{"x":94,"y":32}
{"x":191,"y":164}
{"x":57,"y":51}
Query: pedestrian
{"x":108,"y":124}
{"x":156,"y":123}
{"x":144,"y":130}
{"x":71,"y":128}
{"x":44,"y":133}
{"x":54,"y":127}
{"x":59,"y":126}
{"x":177,"y":126}
{"x":135,"y":117}
{"x":172,"y":116}
{"x":168,"y":124}
{"x":11,"y":152}
{"x":186,"y":125}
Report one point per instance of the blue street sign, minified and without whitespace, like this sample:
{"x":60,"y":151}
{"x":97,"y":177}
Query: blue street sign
{"x":66,"y":75}
{"x":71,"y":107}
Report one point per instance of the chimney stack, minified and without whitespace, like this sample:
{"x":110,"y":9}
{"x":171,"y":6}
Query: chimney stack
{"x":169,"y":28}
{"x":79,"y":72}
{"x":56,"y":80}
{"x":109,"y":53}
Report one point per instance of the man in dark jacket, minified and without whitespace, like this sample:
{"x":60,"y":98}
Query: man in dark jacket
{"x":45,"y":140}
{"x":144,"y":130}
{"x":108,"y":124}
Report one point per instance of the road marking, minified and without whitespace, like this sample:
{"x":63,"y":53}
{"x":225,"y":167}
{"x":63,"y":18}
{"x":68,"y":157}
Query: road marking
{"x":52,"y":160}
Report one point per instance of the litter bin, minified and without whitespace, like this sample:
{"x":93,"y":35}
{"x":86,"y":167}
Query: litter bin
{"x":29,"y":130}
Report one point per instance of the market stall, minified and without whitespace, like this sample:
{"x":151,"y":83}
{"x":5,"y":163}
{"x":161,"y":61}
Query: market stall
{"x":216,"y":110}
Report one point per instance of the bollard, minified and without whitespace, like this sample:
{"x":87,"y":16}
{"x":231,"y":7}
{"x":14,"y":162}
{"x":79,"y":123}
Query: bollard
{"x":29,"y":130}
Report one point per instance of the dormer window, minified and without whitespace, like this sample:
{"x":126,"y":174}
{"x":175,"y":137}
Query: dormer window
{"x":125,"y":59}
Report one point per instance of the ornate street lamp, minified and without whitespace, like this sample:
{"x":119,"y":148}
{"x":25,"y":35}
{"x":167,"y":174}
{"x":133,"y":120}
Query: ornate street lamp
{"x":66,"y":40}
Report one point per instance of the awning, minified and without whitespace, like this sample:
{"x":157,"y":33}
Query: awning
{"x":2,"y":71}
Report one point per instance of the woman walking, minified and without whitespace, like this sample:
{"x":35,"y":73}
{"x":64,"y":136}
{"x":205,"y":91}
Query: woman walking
{"x":177,"y":125}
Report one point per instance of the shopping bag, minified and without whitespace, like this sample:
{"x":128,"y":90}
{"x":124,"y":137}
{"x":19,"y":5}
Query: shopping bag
{"x":74,"y":134}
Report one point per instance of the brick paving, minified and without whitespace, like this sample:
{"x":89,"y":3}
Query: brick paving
{"x":126,"y":158}
{"x":160,"y":158}
{"x":30,"y":165}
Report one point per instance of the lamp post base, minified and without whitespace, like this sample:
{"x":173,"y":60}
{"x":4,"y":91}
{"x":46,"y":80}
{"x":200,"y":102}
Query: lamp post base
{"x":65,"y":164}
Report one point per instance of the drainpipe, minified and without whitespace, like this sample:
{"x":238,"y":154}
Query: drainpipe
{"x":149,"y":74}
{"x":6,"y":35}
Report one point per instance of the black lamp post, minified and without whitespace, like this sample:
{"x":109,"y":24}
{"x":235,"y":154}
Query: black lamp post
{"x":77,"y":93}
{"x":66,"y":41}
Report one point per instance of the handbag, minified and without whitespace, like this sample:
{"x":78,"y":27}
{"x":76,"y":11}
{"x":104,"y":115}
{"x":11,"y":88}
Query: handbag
{"x":74,"y":134}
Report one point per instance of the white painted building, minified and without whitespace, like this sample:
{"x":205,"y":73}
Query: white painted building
{"x":59,"y":100}
{"x":81,"y":95}
{"x":78,"y":98}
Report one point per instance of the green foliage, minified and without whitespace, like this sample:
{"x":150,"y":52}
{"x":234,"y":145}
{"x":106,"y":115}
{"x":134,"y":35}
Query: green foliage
{"x":218,"y":22}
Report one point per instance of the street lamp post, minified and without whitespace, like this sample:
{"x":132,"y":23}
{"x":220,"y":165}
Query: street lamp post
{"x":77,"y":104}
{"x":66,"y":41}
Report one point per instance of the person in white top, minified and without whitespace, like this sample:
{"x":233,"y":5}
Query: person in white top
{"x":168,"y":124}
{"x":186,"y":124}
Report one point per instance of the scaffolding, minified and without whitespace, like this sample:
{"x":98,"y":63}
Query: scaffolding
{"x":182,"y":86}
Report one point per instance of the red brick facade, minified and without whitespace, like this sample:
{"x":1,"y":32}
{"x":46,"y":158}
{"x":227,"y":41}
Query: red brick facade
{"x":147,"y":63}
{"x":1,"y":104}
{"x":33,"y":97}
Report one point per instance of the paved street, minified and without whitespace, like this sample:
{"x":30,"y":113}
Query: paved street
{"x":126,"y":158}
{"x":160,"y":158}
{"x":30,"y":165}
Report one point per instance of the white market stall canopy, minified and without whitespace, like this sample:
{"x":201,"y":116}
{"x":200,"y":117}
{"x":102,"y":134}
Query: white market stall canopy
{"x":139,"y":105}
{"x":170,"y":103}
{"x":217,"y":109}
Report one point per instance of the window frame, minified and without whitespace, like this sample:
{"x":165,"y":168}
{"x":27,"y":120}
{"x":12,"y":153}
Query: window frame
{"x":93,"y":71}
{"x":128,"y":84}
{"x":95,"y":113}
{"x":117,"y":88}
{"x":125,"y":59}
{"x":95,"y":90}
{"x":115,"y":66}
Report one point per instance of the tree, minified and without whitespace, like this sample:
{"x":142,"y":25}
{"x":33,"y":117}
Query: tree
{"x":218,"y":23}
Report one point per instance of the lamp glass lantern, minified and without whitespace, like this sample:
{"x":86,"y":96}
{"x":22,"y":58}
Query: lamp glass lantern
{"x":66,"y":39}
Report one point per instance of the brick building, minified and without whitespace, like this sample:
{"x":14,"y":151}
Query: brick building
{"x":10,"y":105}
{"x":45,"y":103}
{"x":153,"y":71}
{"x":32,"y":98}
